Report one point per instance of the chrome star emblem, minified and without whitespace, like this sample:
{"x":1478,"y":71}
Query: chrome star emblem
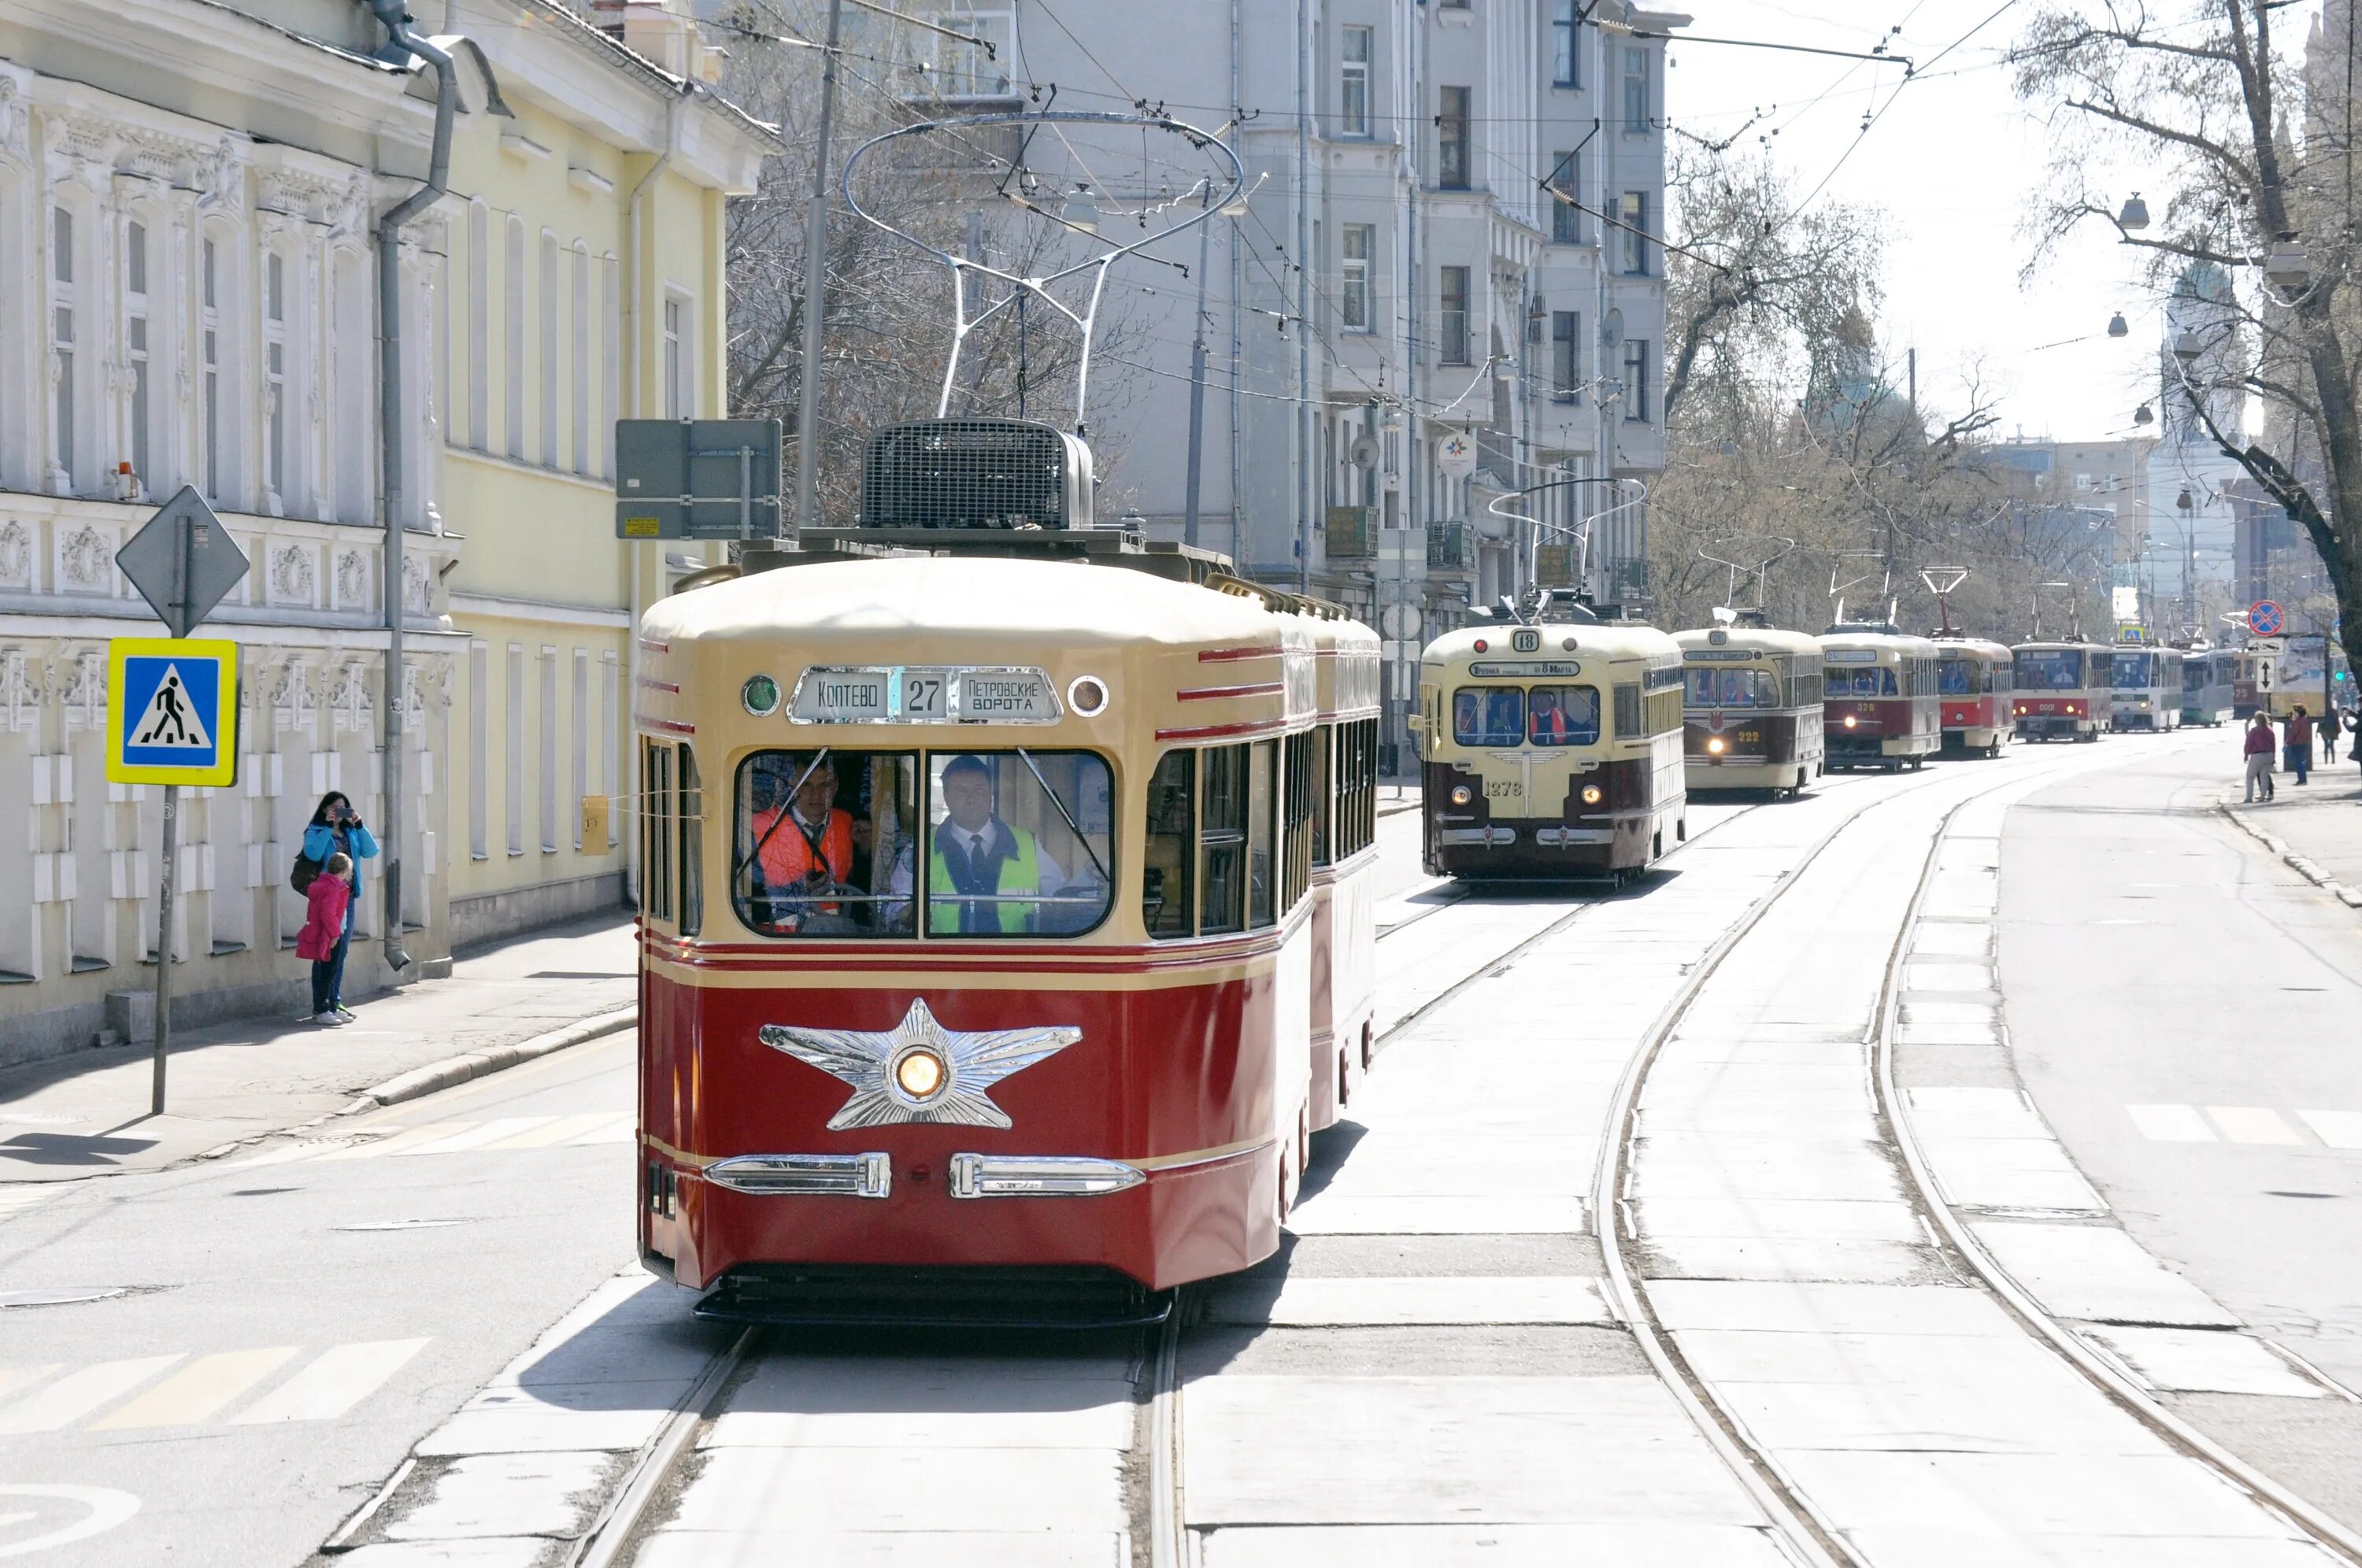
{"x":918,"y":1070}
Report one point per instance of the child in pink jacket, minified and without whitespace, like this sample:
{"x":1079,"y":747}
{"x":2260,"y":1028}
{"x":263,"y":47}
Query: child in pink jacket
{"x":322,"y":940}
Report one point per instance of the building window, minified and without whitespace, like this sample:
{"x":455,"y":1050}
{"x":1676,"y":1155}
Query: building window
{"x":61,"y":326}
{"x":1634,"y":230}
{"x":1566,"y":218}
{"x":135,"y":341}
{"x":274,"y":374}
{"x":1636,"y":380}
{"x":958,"y":68}
{"x":581,"y":377}
{"x":581,"y":738}
{"x":679,"y":398}
{"x":480,"y":326}
{"x":1354,"y":296}
{"x":480,"y":741}
{"x":1566,"y":355}
{"x":549,"y":750}
{"x":549,"y":350}
{"x":1452,"y":140}
{"x":1636,"y":89}
{"x":513,"y":335}
{"x":611,"y":757}
{"x":1566,"y":58}
{"x":1353,"y":83}
{"x":512,"y":754}
{"x":209,"y":326}
{"x":1452,"y":325}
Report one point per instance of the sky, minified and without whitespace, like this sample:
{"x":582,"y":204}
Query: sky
{"x":1956,"y":164}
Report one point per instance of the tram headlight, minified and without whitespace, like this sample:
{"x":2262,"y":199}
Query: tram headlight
{"x":1714,"y":747}
{"x":919,"y":1074}
{"x":1590,"y":796}
{"x":1853,"y":719}
{"x":761,"y":695}
{"x":1460,"y":796}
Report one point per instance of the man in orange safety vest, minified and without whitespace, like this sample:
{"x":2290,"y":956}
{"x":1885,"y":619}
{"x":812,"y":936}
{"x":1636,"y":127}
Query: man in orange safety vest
{"x":811,"y":851}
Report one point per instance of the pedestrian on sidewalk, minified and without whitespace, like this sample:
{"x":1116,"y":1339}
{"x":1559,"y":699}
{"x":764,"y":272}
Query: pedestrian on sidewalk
{"x":2300,"y":744}
{"x":323,"y":940}
{"x":2329,"y":728}
{"x":337,"y":828}
{"x":2259,"y":747}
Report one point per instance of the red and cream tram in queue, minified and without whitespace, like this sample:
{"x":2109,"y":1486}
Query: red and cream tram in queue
{"x":2063,"y":690}
{"x":1551,"y":747}
{"x":2207,"y":695}
{"x":1344,"y":785}
{"x":977,"y":932}
{"x":2146,"y":688}
{"x":1750,"y":707}
{"x":1973,"y":679}
{"x":1881,"y":705}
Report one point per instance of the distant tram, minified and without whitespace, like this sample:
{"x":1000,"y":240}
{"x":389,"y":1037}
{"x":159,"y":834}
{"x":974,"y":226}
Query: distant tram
{"x":1552,"y":749}
{"x":2146,"y":689}
{"x":2064,"y":689}
{"x":1881,"y":706}
{"x":1973,"y":679}
{"x":1750,"y":709}
{"x":2207,"y":692}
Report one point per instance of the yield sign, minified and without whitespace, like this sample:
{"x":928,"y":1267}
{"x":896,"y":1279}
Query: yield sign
{"x":2264,"y":618}
{"x":184,"y":562}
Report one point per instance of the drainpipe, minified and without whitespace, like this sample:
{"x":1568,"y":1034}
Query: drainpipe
{"x":391,"y":415}
{"x":634,"y":395}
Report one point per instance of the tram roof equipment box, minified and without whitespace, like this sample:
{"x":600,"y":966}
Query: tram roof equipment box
{"x":975,"y":473}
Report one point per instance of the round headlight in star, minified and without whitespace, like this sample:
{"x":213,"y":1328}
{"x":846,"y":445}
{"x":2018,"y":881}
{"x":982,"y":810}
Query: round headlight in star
{"x":919,"y":1074}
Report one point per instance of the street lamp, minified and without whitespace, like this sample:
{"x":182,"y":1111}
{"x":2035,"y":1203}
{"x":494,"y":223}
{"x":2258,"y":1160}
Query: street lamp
{"x":2117,"y":327}
{"x":2286,"y":268}
{"x":2144,"y":414}
{"x":2134,"y":215}
{"x":2187,"y":349}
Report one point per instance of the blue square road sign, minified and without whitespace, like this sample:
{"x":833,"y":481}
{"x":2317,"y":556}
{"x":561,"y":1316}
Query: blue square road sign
{"x":172,"y":707}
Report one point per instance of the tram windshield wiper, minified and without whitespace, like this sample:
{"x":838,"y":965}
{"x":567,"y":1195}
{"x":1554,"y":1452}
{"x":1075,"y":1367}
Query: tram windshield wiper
{"x":1076,"y":828}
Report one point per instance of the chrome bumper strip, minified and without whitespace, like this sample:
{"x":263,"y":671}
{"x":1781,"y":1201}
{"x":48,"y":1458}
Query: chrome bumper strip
{"x":1559,"y":837}
{"x":1480,"y":836}
{"x":1040,"y":1175}
{"x":809,"y":1175}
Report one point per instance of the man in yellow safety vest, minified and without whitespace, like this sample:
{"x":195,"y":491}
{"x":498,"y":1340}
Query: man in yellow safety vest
{"x":984,"y":877}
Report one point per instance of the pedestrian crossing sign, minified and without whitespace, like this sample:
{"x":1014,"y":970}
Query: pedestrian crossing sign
{"x":174,"y":702}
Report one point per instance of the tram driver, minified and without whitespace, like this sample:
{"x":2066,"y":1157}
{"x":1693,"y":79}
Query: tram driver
{"x":803,"y":846}
{"x":1006,"y":875}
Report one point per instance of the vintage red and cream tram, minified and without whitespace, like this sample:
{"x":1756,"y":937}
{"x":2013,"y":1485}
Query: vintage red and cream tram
{"x":2207,"y":693}
{"x":1972,"y":678}
{"x":2064,"y":689}
{"x":978,"y":953}
{"x":1750,"y":707}
{"x":1551,"y":744}
{"x":1881,"y":706}
{"x":2146,"y":688}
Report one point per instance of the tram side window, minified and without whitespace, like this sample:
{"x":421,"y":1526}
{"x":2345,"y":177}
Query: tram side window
{"x":655,"y":830}
{"x":1563,"y":716}
{"x":1020,"y":843}
{"x":1662,"y":701}
{"x":1223,"y":840}
{"x":1355,"y":773}
{"x":693,"y":845}
{"x":814,"y":838}
{"x":1168,"y":863}
{"x":1627,"y":713}
{"x":1805,"y":686}
{"x":1489,"y":715}
{"x":1297,"y":793}
{"x":1325,"y":742}
{"x":1263,"y":811}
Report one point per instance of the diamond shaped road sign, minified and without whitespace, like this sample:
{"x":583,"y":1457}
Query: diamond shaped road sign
{"x":184,"y":562}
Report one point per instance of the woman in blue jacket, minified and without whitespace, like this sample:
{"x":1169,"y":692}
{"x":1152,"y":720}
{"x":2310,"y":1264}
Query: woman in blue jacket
{"x":338,"y":829}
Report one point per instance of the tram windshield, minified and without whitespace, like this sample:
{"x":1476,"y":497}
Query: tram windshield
{"x":1489,"y":715}
{"x":1962,"y":678}
{"x":1562,"y":715}
{"x":2051,"y":669}
{"x":1018,"y":842}
{"x":2197,"y":674}
{"x":1845,"y":680}
{"x":2133,"y":670}
{"x":1711,"y":687}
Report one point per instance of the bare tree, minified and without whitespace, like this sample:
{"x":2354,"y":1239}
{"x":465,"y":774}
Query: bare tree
{"x":2204,"y":101}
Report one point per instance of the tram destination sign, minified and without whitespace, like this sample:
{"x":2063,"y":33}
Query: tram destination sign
{"x":1525,"y":670}
{"x":924,"y":694}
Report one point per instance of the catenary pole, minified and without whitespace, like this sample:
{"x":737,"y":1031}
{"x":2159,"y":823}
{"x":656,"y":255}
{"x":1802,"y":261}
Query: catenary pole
{"x":1197,"y":384}
{"x":815,"y":288}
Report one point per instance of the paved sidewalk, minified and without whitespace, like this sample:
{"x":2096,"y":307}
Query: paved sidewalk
{"x":2322,"y":821}
{"x":1393,"y":798}
{"x":86,"y":1114}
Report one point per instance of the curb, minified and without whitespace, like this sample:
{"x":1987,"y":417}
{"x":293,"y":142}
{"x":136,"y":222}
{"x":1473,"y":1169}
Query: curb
{"x":2312,"y":871}
{"x":470,"y":1065}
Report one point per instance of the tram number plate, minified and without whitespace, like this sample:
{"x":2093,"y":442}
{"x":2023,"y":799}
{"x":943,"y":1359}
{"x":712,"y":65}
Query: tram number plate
{"x":923,"y":695}
{"x":926,"y":695}
{"x":1504,"y":789}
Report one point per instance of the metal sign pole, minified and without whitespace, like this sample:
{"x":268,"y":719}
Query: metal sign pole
{"x":179,"y":622}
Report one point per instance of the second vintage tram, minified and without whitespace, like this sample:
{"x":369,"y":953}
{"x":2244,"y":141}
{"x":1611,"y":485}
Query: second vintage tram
{"x":1552,"y":747}
{"x":982,"y":972}
{"x":1750,"y":707}
{"x":2147,"y":688}
{"x":1881,"y":706}
{"x":1973,"y":677}
{"x":2207,"y":694}
{"x":2063,"y":691}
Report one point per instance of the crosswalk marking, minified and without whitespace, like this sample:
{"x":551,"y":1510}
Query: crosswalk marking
{"x":2252,"y":1125}
{"x":503,"y":1133}
{"x":2172,"y":1123}
{"x":2249,"y":1124}
{"x":198,"y":1390}
{"x":2339,"y":1129}
{"x":77,"y":1394}
{"x":340,"y":1378}
{"x":479,"y":1135}
{"x":411,"y":1139}
{"x":563,"y":1130}
{"x":14,"y":1377}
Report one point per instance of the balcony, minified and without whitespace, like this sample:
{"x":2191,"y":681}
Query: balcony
{"x":1450,"y":548}
{"x":1352,"y":533}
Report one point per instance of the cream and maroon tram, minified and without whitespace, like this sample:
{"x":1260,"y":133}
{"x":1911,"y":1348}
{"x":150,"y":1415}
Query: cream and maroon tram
{"x":1750,"y":707}
{"x":1343,"y":784}
{"x":2063,"y":690}
{"x":1552,"y":748}
{"x":1881,"y":706}
{"x":2146,"y":688}
{"x":977,"y":932}
{"x":1973,"y":679}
